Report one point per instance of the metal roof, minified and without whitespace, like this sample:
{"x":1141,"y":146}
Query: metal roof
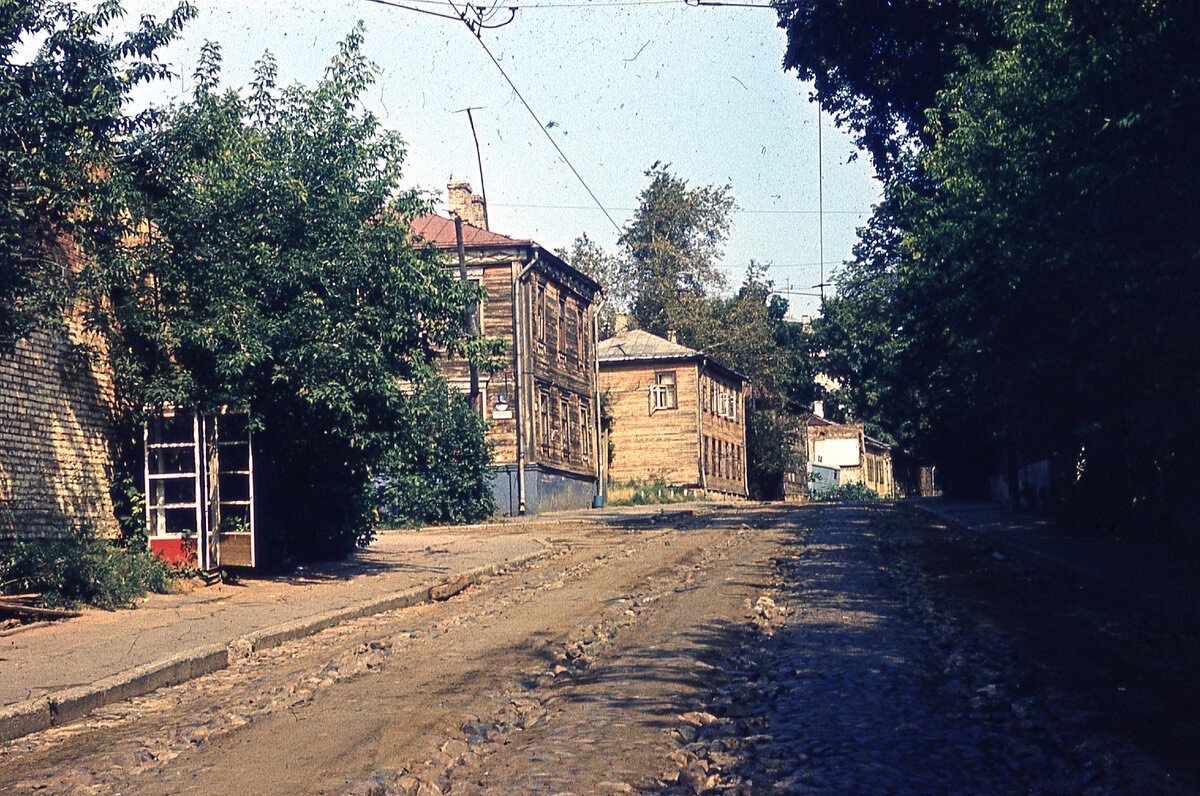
{"x":439,"y":231}
{"x":637,"y":345}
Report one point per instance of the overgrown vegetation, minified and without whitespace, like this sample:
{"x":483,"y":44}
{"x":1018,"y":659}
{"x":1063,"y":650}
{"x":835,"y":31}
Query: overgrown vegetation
{"x":1021,"y":292}
{"x":846,"y":493}
{"x":437,"y":469}
{"x":642,"y":493}
{"x":241,"y":248}
{"x":80,"y":570}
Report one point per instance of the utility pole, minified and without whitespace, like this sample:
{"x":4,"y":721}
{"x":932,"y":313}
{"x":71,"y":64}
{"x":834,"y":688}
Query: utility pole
{"x":472,"y":322}
{"x":478,"y":159}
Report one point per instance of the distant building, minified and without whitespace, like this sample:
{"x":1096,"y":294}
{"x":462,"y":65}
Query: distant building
{"x":846,"y":448}
{"x":541,"y":407}
{"x":677,"y":414}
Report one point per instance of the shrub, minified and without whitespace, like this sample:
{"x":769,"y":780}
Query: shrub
{"x":437,"y":471}
{"x":81,"y":570}
{"x":847,"y":493}
{"x":641,"y":493}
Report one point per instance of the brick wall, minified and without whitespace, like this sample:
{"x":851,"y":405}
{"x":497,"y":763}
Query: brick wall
{"x":56,"y":439}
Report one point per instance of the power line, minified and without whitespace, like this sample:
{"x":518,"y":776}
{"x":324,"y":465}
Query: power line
{"x":549,"y":137}
{"x":735,"y":210}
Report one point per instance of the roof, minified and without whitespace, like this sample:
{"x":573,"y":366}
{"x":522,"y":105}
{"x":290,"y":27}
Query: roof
{"x":439,"y":231}
{"x":637,"y":345}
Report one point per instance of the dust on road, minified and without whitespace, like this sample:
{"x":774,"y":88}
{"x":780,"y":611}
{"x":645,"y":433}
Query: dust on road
{"x":733,"y":649}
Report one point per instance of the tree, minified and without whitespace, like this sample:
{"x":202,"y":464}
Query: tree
{"x":671,"y":247}
{"x":272,"y":269}
{"x":877,"y":65}
{"x":1019,"y":293}
{"x":61,"y":118}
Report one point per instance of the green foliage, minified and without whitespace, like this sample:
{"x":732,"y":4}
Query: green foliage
{"x":641,"y":493}
{"x":877,"y":65}
{"x":77,"y":570}
{"x":270,"y":266}
{"x":437,"y":469}
{"x":61,"y":117}
{"x":1022,"y":290}
{"x":846,"y":493}
{"x":670,"y":250}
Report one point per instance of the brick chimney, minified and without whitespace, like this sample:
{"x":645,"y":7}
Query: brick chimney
{"x":621,"y":323}
{"x":672,"y":337}
{"x":466,"y":205}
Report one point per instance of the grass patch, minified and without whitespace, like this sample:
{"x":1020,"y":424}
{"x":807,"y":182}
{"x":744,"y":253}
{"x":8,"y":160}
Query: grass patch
{"x":77,"y":571}
{"x":643,"y":493}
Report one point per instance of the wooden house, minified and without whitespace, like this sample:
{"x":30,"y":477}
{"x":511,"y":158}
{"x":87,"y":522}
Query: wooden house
{"x":846,"y":448}
{"x":677,"y":414}
{"x":541,"y":407}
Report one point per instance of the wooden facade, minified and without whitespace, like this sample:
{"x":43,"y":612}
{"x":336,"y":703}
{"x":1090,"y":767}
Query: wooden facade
{"x":677,"y":415}
{"x":541,"y":406}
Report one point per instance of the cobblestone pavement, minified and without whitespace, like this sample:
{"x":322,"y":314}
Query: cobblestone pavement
{"x":721,"y":649}
{"x":858,"y":677}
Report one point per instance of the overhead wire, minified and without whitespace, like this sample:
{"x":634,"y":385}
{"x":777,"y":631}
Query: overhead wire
{"x":549,"y":137}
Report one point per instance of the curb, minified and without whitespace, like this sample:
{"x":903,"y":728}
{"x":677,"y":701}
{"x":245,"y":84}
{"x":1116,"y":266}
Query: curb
{"x":61,"y":707}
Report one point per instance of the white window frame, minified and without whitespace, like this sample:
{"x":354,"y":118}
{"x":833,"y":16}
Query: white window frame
{"x":664,"y":393}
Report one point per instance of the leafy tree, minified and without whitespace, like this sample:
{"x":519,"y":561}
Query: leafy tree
{"x":1020,"y":293}
{"x":272,"y":268}
{"x":61,"y":117}
{"x":877,"y":65}
{"x":436,"y":468}
{"x":670,"y":249}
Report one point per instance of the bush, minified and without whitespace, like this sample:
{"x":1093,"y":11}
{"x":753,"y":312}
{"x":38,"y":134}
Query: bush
{"x":437,"y":472}
{"x":847,"y":493}
{"x":80,"y":570}
{"x":641,"y":493}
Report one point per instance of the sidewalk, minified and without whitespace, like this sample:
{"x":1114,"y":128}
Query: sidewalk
{"x":54,"y":673}
{"x":1153,"y":575}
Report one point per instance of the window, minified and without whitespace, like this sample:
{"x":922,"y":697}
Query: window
{"x":560,"y":328}
{"x":564,"y":414}
{"x":663,"y":394}
{"x":539,"y":315}
{"x":581,"y":334}
{"x":543,"y":418}
{"x":585,"y":431}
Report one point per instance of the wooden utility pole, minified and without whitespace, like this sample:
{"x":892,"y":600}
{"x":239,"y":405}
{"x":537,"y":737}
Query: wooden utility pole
{"x":471,"y":321}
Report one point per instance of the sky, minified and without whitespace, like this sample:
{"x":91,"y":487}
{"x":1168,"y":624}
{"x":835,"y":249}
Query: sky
{"x":619,"y":84}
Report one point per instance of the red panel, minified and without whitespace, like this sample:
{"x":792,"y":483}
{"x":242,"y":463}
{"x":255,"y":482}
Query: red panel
{"x":181,"y":552}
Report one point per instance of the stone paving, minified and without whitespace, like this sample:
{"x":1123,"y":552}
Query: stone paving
{"x":855,"y":679}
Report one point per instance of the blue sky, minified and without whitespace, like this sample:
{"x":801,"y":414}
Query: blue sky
{"x":619,"y":85}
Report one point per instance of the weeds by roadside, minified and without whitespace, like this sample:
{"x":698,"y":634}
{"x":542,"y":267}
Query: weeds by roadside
{"x":642,"y":493}
{"x":76,"y":571}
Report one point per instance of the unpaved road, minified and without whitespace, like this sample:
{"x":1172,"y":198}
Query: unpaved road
{"x":731,"y":649}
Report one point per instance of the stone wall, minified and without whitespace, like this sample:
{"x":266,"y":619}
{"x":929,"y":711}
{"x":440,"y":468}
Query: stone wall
{"x":56,"y":438}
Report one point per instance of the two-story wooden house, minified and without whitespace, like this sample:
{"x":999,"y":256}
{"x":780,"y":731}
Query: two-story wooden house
{"x":541,"y":407}
{"x":677,"y":414}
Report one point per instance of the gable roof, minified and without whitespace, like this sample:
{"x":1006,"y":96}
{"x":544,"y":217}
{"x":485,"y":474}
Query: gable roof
{"x":439,"y":231}
{"x":637,"y":345}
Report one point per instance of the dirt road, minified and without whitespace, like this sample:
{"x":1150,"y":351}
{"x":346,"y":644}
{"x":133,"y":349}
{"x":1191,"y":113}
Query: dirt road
{"x":734,"y":649}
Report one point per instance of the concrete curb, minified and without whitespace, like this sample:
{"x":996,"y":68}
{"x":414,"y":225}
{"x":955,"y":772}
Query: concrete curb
{"x":61,"y":707}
